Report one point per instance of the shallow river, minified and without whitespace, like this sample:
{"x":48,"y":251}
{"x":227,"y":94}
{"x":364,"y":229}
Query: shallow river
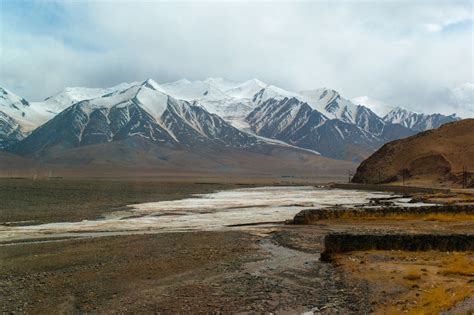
{"x":201,"y":212}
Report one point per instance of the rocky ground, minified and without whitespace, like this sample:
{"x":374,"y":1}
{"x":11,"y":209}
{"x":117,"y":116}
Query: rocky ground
{"x":173,"y":272}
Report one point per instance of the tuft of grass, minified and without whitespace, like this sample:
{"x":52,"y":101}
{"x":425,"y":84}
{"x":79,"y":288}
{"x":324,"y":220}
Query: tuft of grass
{"x":458,"y":265}
{"x":413,"y":275}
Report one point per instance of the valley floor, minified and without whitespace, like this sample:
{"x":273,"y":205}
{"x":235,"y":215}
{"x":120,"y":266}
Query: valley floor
{"x":272,"y":268}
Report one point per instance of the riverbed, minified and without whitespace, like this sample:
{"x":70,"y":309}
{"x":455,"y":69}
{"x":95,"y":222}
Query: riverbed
{"x":219,"y":210}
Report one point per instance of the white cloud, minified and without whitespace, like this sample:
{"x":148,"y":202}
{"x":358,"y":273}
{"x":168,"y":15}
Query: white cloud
{"x":432,"y":27}
{"x":396,"y":52}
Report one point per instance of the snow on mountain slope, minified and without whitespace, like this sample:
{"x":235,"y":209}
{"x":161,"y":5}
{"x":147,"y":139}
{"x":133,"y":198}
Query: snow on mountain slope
{"x":213,"y":111}
{"x":330,"y":103}
{"x":379,"y":107}
{"x":221,"y":83}
{"x":295,"y":122}
{"x":30,"y":115}
{"x":280,"y":119}
{"x":273,"y":92}
{"x":11,"y":101}
{"x":245,"y":89}
{"x":72,"y":95}
{"x":417,"y":121}
{"x":10,"y":131}
{"x":26,"y":114}
{"x":137,"y":111}
{"x":194,"y":90}
{"x":230,"y":100}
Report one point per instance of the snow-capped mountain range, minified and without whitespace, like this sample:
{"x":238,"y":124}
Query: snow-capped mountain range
{"x":213,"y":112}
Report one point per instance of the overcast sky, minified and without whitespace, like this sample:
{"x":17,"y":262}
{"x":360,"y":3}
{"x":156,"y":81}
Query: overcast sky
{"x":407,"y":53}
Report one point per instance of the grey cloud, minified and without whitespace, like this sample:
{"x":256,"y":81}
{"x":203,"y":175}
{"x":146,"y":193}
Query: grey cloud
{"x":385,"y":50}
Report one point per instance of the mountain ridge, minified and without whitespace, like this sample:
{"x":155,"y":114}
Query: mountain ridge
{"x":213,"y":111}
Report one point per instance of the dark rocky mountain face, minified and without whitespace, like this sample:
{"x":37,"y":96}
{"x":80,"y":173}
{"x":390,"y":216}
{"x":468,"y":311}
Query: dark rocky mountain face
{"x":339,"y":140}
{"x":396,"y":131}
{"x":10,"y":131}
{"x":368,"y":120}
{"x":192,"y":125}
{"x":295,"y":122}
{"x":282,"y":119}
{"x":83,"y":124}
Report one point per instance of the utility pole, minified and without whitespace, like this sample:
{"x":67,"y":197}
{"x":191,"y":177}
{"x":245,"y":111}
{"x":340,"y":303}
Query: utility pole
{"x":349,"y":175}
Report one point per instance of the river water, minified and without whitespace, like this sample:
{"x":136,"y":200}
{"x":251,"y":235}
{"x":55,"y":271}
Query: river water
{"x":213,"y":211}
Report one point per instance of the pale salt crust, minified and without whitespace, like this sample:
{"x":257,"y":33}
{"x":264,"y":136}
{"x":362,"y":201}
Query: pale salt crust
{"x":202,"y":212}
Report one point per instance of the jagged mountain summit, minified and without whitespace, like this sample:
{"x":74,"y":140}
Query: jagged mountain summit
{"x":212,"y":112}
{"x":418,"y":121}
{"x":141,"y":110}
{"x":296,"y":122}
{"x":403,"y":116}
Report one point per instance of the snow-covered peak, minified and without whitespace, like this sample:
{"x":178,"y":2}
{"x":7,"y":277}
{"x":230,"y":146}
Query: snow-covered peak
{"x":19,"y":109}
{"x":147,"y":94}
{"x":398,"y":114}
{"x":72,"y":95}
{"x":193,"y":90}
{"x":152,"y":84}
{"x":417,"y":121}
{"x":330,"y":103}
{"x":11,"y":101}
{"x":274,"y":92}
{"x":379,"y":107}
{"x":221,"y":83}
{"x":246,"y":89}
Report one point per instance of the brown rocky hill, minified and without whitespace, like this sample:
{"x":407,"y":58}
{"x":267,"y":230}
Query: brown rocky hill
{"x":434,"y":157}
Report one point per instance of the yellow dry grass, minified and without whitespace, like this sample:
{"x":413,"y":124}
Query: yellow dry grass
{"x":413,"y":275}
{"x":414,"y":282}
{"x":439,"y":298}
{"x":458,"y":265}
